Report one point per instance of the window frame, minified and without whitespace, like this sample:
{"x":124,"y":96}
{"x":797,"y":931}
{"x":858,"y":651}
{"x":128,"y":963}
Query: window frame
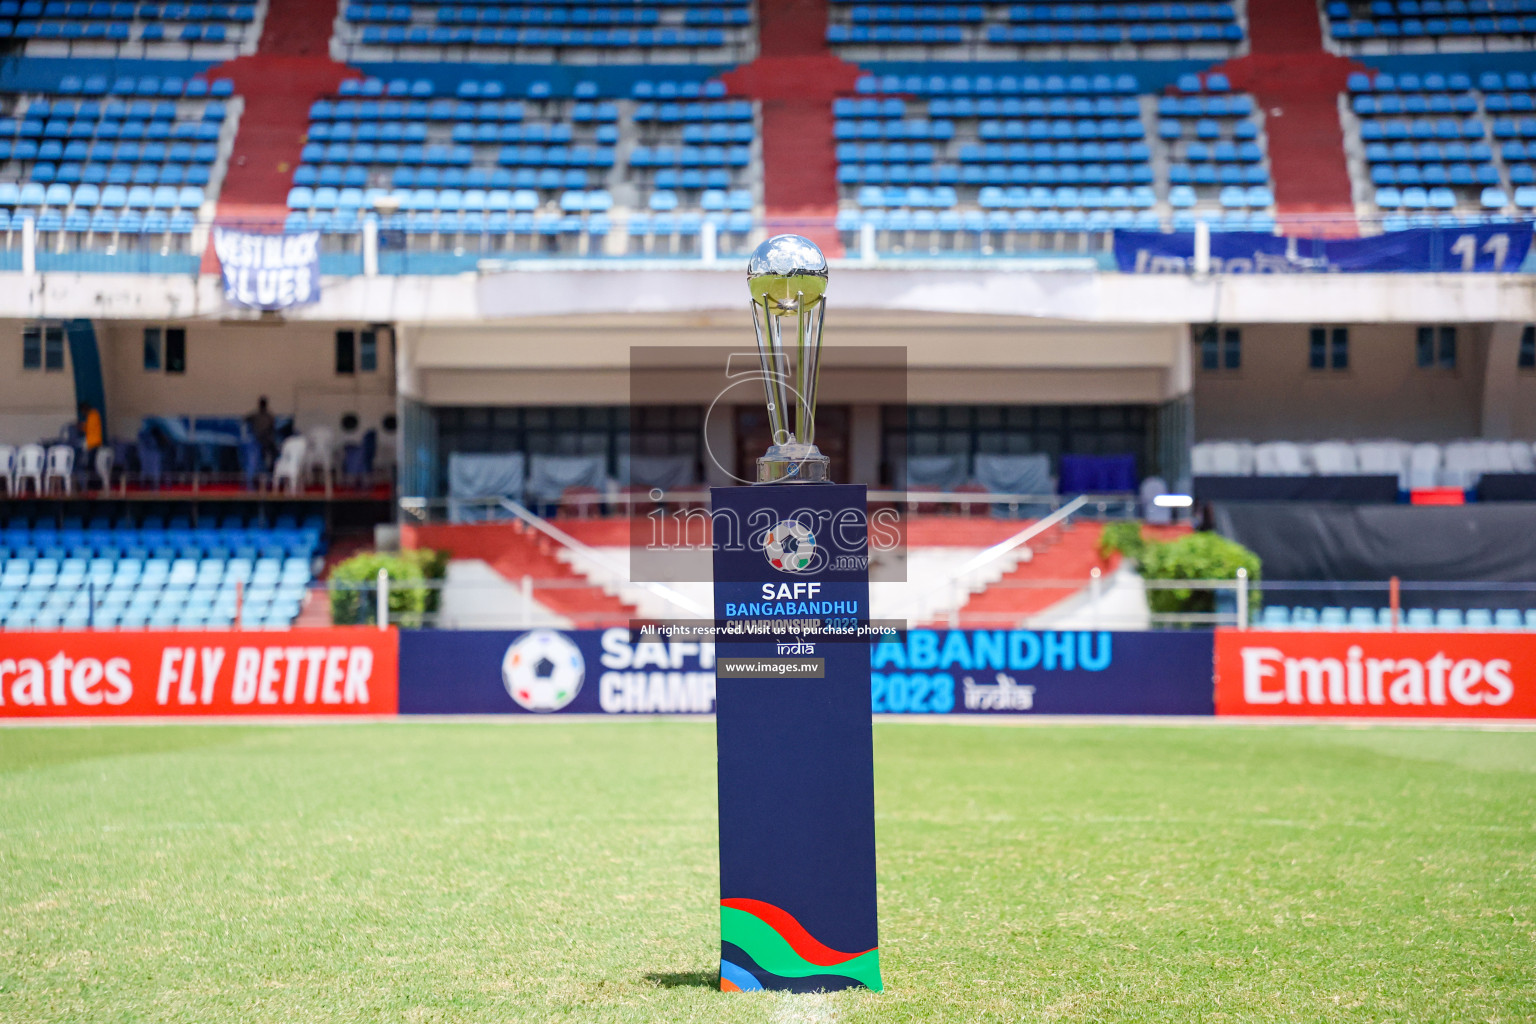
{"x":32,"y":347}
{"x":345,"y":353}
{"x":154,"y":349}
{"x":175,"y":352}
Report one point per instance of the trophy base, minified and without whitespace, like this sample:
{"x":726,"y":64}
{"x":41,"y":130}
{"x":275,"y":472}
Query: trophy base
{"x":794,"y":463}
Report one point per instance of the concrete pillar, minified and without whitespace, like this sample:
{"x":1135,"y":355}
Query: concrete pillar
{"x":863,"y":447}
{"x":720,"y":438}
{"x":1501,"y":382}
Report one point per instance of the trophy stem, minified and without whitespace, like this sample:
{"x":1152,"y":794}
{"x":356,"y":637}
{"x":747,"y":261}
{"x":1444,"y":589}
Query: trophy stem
{"x":771,"y":357}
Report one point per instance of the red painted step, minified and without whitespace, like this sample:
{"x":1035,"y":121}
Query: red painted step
{"x":515,"y":551}
{"x":1297,"y":83}
{"x":290,"y":69}
{"x":1070,"y":554}
{"x":795,"y":78}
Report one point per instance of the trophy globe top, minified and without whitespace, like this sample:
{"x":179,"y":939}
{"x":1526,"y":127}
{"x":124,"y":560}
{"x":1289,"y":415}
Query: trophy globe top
{"x":787,"y":272}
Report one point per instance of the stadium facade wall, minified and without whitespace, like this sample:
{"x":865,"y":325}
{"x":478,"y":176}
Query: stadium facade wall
{"x":33,"y":403}
{"x":229,"y":365}
{"x":1383,"y":393}
{"x":992,"y":287}
{"x":950,"y":358}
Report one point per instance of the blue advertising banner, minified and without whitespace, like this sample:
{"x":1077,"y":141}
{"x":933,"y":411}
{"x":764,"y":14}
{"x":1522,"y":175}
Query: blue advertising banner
{"x":544,"y":671}
{"x":1485,"y":248}
{"x":920,"y":672}
{"x":1021,"y":671}
{"x":269,"y":271}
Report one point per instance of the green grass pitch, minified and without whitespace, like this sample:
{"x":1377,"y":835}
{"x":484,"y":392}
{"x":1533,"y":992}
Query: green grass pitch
{"x":565,"y":871}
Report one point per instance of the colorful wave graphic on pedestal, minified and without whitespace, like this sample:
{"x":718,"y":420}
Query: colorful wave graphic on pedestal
{"x":763,"y":946}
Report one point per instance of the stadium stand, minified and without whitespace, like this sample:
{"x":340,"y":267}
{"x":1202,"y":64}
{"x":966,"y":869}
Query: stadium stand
{"x":185,"y":31}
{"x":1370,"y":618}
{"x":676,"y":31}
{"x":1216,"y":155}
{"x":129,"y":161}
{"x":1413,"y":26}
{"x":538,"y":173}
{"x":967,"y":159}
{"x":158,"y":573}
{"x":997,"y":162}
{"x":1436,"y":150}
{"x":995,"y":31}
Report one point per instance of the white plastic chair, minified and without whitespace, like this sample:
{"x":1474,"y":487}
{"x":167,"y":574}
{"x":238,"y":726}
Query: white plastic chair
{"x":105,"y":457}
{"x":1464,"y":464}
{"x":1384,"y":458}
{"x":321,"y":453}
{"x":8,"y":468}
{"x":1424,"y":465}
{"x":1335,"y":458}
{"x":1280,"y":458}
{"x":30,"y":460}
{"x":1232,"y":458}
{"x":290,"y":465}
{"x":61,"y":467}
{"x":1202,"y":459}
{"x":1497,"y":458}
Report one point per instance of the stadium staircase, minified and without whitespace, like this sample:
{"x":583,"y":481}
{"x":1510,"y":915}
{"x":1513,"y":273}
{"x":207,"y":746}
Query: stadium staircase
{"x":514,"y":550}
{"x":290,"y":69}
{"x":1297,"y":83}
{"x":795,"y":78}
{"x":1061,"y":554}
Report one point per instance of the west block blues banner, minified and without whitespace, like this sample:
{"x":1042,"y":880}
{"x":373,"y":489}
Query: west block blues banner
{"x":269,"y":271}
{"x":1486,"y":248}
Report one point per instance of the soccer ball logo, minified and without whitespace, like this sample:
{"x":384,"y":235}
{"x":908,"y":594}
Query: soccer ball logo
{"x":543,"y":670}
{"x":790,"y":546}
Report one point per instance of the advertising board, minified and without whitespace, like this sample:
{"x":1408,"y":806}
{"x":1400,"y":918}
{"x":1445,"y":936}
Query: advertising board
{"x":129,"y":673}
{"x":1376,"y":675}
{"x":918,"y":672}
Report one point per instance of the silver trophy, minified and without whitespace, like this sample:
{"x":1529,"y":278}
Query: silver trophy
{"x":787,"y":276}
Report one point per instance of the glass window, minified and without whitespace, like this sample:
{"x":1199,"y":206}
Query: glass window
{"x":1527,"y":359}
{"x":346,"y":352}
{"x":1317,"y":349}
{"x":1338,"y":355}
{"x":1232,"y":349}
{"x":367,"y":351}
{"x":53,"y":348}
{"x":32,"y":348}
{"x":1447,"y":348}
{"x":152,"y":337}
{"x":1425,"y":349}
{"x":175,"y":350}
{"x":1210,"y":355}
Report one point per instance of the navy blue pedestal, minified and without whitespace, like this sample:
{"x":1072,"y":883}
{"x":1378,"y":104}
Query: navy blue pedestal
{"x":797,"y":802}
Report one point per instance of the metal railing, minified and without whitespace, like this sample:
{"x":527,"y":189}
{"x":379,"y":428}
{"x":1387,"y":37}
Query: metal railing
{"x":632,"y":501}
{"x":391,"y":246}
